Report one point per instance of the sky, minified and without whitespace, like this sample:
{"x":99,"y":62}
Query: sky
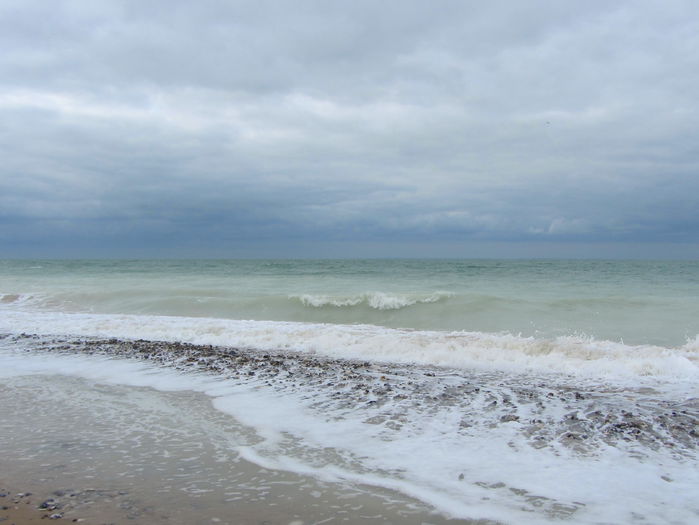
{"x":349,"y":128}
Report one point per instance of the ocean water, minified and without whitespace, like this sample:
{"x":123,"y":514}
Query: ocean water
{"x":637,"y":302}
{"x":515,"y":391}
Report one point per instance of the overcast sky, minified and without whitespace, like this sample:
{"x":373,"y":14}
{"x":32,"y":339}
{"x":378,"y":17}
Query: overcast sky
{"x":377,"y":128}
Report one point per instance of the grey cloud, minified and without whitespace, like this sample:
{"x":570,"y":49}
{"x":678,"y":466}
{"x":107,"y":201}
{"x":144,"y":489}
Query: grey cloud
{"x":122,"y":122}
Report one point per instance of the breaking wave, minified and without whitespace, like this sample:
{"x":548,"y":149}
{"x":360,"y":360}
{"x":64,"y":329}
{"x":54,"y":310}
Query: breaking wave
{"x":574,"y":355}
{"x":375,"y":300}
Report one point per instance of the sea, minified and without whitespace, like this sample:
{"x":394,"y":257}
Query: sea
{"x":505,"y":391}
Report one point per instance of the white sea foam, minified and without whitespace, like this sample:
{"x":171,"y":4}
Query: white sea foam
{"x":375,"y":300}
{"x":493,"y":475}
{"x":577,"y":356}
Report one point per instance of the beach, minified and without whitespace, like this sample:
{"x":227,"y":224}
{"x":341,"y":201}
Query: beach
{"x":342,"y":391}
{"x":144,"y":469}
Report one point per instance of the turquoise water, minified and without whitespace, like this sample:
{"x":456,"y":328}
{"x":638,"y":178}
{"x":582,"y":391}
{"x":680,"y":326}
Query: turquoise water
{"x":637,"y":302}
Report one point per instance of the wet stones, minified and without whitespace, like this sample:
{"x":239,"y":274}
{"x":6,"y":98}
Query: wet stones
{"x":50,"y":504}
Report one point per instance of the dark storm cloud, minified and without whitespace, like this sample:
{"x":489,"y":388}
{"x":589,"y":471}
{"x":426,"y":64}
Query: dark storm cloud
{"x":127,"y":123}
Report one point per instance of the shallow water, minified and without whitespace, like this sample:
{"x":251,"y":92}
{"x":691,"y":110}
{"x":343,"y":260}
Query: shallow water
{"x":145,"y":456}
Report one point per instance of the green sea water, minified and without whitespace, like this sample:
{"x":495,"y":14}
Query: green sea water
{"x":636,"y":302}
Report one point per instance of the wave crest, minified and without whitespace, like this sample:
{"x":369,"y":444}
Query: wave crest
{"x":571,"y":355}
{"x":374,"y":300}
{"x":15,"y":299}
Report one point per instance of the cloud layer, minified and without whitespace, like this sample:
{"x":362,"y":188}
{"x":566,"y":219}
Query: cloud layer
{"x":237,"y":127}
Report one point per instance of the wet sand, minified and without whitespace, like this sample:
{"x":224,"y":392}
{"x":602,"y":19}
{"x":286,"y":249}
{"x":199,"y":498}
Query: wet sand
{"x":22,"y":508}
{"x":66,"y":444}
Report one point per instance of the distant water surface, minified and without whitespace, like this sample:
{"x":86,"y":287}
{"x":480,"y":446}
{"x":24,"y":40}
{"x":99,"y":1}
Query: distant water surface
{"x":637,"y":302}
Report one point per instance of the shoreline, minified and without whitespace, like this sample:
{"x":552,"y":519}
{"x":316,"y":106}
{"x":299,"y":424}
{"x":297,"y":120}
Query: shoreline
{"x":373,"y":384}
{"x":133,"y":466}
{"x":551,"y":414}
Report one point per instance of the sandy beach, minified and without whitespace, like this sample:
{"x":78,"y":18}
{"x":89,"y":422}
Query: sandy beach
{"x":111,"y":507}
{"x":115,"y":453}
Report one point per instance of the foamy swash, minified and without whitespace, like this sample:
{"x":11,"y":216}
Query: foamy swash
{"x":570,"y":355}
